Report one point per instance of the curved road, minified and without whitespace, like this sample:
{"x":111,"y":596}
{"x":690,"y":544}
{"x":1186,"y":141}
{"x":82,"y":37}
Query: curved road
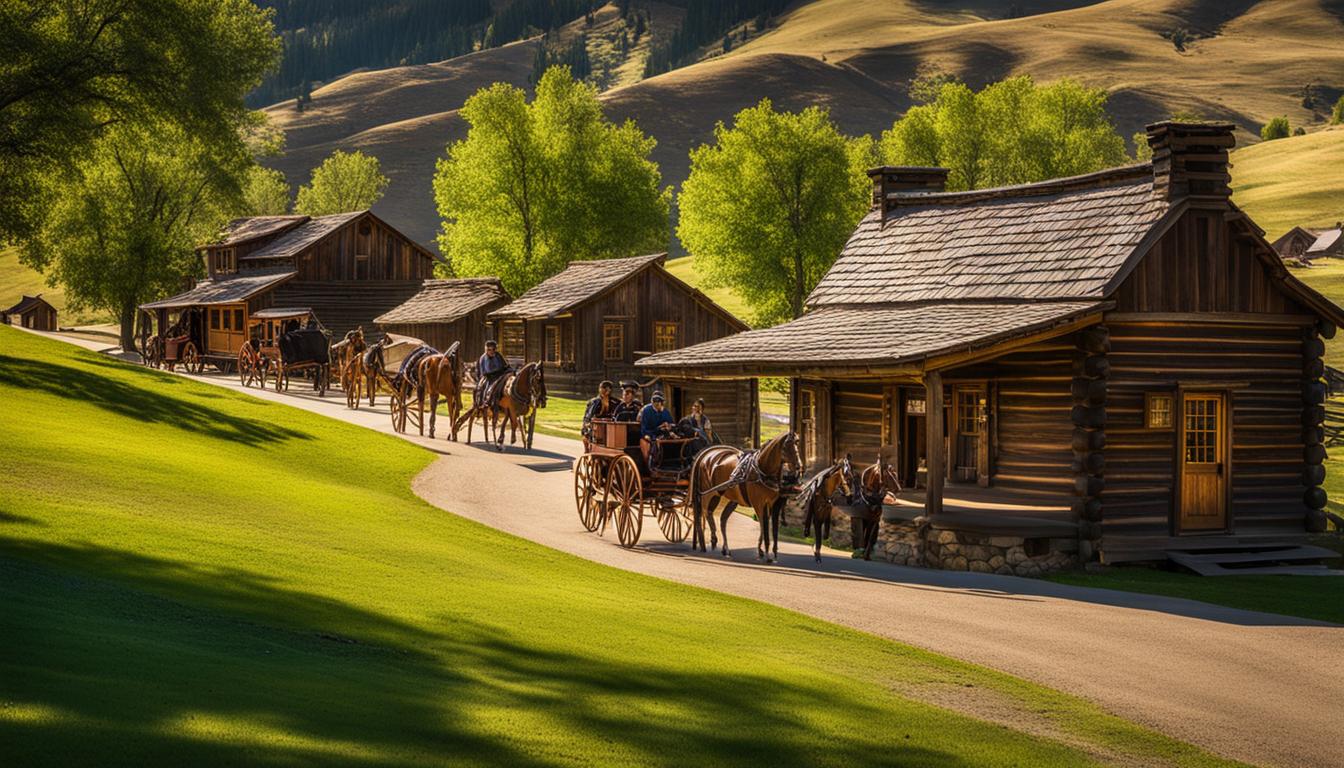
{"x":1256,"y":687}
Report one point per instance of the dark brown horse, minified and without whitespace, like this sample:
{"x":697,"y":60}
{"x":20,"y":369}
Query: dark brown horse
{"x":815,"y":500}
{"x":523,"y":393}
{"x":870,"y":487}
{"x":757,"y":479}
{"x":441,"y":376}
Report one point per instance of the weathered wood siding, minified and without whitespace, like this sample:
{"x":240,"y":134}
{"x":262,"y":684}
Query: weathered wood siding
{"x":857,"y":410}
{"x":342,"y":305}
{"x":730,"y":405}
{"x":472,"y":331}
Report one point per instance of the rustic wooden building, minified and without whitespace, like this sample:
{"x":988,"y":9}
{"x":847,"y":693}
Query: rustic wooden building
{"x":1115,"y":365}
{"x":348,"y":268}
{"x":445,"y":311}
{"x":594,"y":319}
{"x":31,"y":312}
{"x":1293,"y":244}
{"x":1329,"y":243}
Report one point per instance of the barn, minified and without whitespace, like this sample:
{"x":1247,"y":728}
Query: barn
{"x":445,"y":311}
{"x":594,"y":319}
{"x":348,"y":268}
{"x":1114,"y":366}
{"x":31,"y":312}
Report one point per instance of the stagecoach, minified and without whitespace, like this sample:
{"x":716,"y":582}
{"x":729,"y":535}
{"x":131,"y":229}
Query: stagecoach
{"x":282,"y":342}
{"x":178,"y":344}
{"x":614,"y":481}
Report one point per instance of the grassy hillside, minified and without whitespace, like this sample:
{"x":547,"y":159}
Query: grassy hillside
{"x":17,"y":279}
{"x":193,"y":576}
{"x":1291,"y":182}
{"x":1249,"y":62}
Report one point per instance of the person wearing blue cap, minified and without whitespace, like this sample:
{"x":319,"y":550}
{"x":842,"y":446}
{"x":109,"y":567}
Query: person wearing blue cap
{"x":654,"y":419}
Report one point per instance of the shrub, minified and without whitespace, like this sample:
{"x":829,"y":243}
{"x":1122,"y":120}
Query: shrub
{"x":1337,"y":115}
{"x":1275,"y":129}
{"x":1299,"y":131}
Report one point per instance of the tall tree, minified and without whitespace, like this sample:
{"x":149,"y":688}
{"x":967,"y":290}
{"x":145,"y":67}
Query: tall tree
{"x":1011,"y":132}
{"x":123,"y":230}
{"x":71,"y":68}
{"x":345,"y":181}
{"x":265,"y":192}
{"x":769,"y":204}
{"x":533,"y":186}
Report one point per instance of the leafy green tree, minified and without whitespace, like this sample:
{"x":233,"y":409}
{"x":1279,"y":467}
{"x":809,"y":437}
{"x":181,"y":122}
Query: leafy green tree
{"x":533,"y":186}
{"x":1337,"y":114}
{"x":72,"y":68}
{"x":1276,"y":128}
{"x":769,"y":204}
{"x":123,"y":231}
{"x":265,"y":192}
{"x":1010,"y":132}
{"x":345,"y":181}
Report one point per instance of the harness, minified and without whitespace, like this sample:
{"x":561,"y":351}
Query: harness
{"x":748,"y":470}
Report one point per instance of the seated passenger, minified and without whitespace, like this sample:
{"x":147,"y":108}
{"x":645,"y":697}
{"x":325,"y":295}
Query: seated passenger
{"x":696,"y":423}
{"x":628,"y":408}
{"x":654,"y":419}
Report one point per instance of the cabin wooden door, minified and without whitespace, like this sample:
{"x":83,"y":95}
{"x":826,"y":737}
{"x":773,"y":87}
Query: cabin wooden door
{"x":969,"y":457}
{"x":1203,"y":462}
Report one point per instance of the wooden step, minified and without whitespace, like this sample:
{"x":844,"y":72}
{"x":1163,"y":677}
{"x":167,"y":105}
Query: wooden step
{"x":1299,"y":560}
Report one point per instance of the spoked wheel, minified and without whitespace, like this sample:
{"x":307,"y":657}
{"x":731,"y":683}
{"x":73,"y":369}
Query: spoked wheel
{"x":585,"y":492}
{"x":627,"y":496}
{"x":674,"y":519}
{"x":281,"y":383}
{"x":399,"y":406}
{"x":190,"y":358}
{"x":249,"y":367}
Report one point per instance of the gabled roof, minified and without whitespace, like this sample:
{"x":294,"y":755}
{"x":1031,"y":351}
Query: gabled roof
{"x":233,"y":288}
{"x":252,"y":228}
{"x":1061,"y":239}
{"x":1309,"y":234}
{"x":304,"y":235}
{"x":444,"y":301}
{"x":577,"y":283}
{"x":28,"y":303}
{"x":870,"y":337}
{"x":1325,"y":241}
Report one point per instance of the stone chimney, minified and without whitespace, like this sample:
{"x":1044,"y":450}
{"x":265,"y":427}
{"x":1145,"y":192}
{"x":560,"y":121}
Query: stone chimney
{"x":905,"y":178}
{"x":1190,"y":161}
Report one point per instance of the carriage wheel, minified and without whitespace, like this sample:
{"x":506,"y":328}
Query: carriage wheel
{"x":191,"y":359}
{"x":247,"y":366}
{"x":279,"y":376}
{"x":396,"y":401}
{"x":585,"y":493}
{"x":674,"y":519}
{"x":625,"y":489}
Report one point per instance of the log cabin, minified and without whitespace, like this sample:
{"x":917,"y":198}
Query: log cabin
{"x":445,"y":311}
{"x":594,"y":319}
{"x":1294,"y":243}
{"x":31,"y":312}
{"x":1113,"y":366}
{"x":347,"y":268}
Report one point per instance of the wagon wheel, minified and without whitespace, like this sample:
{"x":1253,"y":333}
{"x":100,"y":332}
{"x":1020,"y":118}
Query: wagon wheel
{"x":585,"y":493}
{"x":397,"y":406}
{"x":279,"y":376}
{"x":247,"y":372}
{"x":674,"y":519}
{"x":625,"y":490}
{"x":190,"y":358}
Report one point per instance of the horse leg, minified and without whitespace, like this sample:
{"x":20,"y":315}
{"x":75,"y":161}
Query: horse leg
{"x":816,"y":537}
{"x":763,"y":538}
{"x":433,"y":411}
{"x":874,"y":523}
{"x":710,"y":508}
{"x":723,"y":524}
{"x":454,"y":398}
{"x":775,"y":513}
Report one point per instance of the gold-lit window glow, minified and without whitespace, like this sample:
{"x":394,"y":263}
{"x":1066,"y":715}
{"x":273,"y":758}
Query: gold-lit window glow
{"x":613,"y":341}
{"x":664,"y":336}
{"x":1157,"y":413}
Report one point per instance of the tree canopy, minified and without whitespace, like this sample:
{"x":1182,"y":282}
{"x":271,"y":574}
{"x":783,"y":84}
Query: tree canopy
{"x":1276,"y":128}
{"x":345,"y":181}
{"x":769,"y":204}
{"x":535,"y":185}
{"x":1011,"y":132}
{"x":74,"y":67}
{"x":123,"y":231}
{"x":265,"y":192}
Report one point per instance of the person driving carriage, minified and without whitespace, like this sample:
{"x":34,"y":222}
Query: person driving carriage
{"x":629,"y":407}
{"x":654,"y":419}
{"x":490,"y":370}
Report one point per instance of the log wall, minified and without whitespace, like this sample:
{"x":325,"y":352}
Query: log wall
{"x":342,"y":305}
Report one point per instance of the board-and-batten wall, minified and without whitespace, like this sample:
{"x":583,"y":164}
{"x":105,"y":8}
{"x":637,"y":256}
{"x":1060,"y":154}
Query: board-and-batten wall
{"x":390,"y":255}
{"x":471,"y":330}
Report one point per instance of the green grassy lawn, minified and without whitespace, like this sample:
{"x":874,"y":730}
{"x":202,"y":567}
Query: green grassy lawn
{"x":1327,"y":276}
{"x":191,"y":576}
{"x":17,"y":280}
{"x":1290,"y":182}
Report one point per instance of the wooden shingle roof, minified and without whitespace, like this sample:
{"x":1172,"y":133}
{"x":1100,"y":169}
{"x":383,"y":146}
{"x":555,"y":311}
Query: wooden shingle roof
{"x":1061,"y":239}
{"x":574,"y":285}
{"x":444,"y":301}
{"x":303,"y":236}
{"x":233,"y":288}
{"x":869,"y":336}
{"x":26,"y":304}
{"x":253,"y":227}
{"x":1325,"y":241}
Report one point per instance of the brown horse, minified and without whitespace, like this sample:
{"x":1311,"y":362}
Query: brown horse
{"x":523,"y":393}
{"x":870,"y":488}
{"x":441,"y":376}
{"x":815,"y":499}
{"x":757,"y":479}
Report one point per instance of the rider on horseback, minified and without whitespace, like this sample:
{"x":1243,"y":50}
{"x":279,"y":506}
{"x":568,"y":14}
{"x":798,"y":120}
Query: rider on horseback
{"x":491,"y":368}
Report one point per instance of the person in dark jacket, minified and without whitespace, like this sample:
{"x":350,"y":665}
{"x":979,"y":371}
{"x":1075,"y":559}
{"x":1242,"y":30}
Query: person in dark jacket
{"x":654,"y":419}
{"x":490,"y":370}
{"x":697,"y":423}
{"x":600,"y":407}
{"x":628,"y":408}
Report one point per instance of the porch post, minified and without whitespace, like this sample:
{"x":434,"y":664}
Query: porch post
{"x":933,"y":399}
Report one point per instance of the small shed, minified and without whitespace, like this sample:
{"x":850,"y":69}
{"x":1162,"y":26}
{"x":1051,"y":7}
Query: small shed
{"x":31,"y":312}
{"x":445,"y":311}
{"x":1293,"y":244}
{"x":1328,"y":243}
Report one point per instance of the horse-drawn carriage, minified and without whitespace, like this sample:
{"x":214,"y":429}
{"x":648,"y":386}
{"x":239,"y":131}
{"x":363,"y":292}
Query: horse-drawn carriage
{"x":283,"y":342}
{"x":615,"y":480}
{"x":176,"y":345}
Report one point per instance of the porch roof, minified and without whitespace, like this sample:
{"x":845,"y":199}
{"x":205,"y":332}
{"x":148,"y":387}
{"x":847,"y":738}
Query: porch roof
{"x":445,"y":301}
{"x":577,"y":283}
{"x":872,"y":340}
{"x":228,"y":290}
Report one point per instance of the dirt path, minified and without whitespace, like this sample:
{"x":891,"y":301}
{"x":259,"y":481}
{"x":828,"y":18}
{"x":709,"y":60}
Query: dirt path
{"x":1257,"y":687}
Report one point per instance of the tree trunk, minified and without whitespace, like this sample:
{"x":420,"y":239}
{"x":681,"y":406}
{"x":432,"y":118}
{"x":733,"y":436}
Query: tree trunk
{"x":127,"y":320}
{"x":799,"y":284}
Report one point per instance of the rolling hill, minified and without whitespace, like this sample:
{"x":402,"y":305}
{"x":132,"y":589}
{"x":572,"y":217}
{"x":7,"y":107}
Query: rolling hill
{"x":1294,"y":181}
{"x":1249,"y":61}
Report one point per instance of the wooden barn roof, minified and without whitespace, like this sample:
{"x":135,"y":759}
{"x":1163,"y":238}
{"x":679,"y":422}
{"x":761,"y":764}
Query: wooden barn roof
{"x":444,"y":301}
{"x":577,"y":283}
{"x":251,"y":228}
{"x":225,"y":291}
{"x":304,"y":235}
{"x":1325,"y":240}
{"x":871,"y":338}
{"x":1060,"y":239}
{"x":26,"y":304}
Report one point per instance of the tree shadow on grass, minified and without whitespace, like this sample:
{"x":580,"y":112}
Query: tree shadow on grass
{"x":137,"y":402}
{"x":127,"y":659}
